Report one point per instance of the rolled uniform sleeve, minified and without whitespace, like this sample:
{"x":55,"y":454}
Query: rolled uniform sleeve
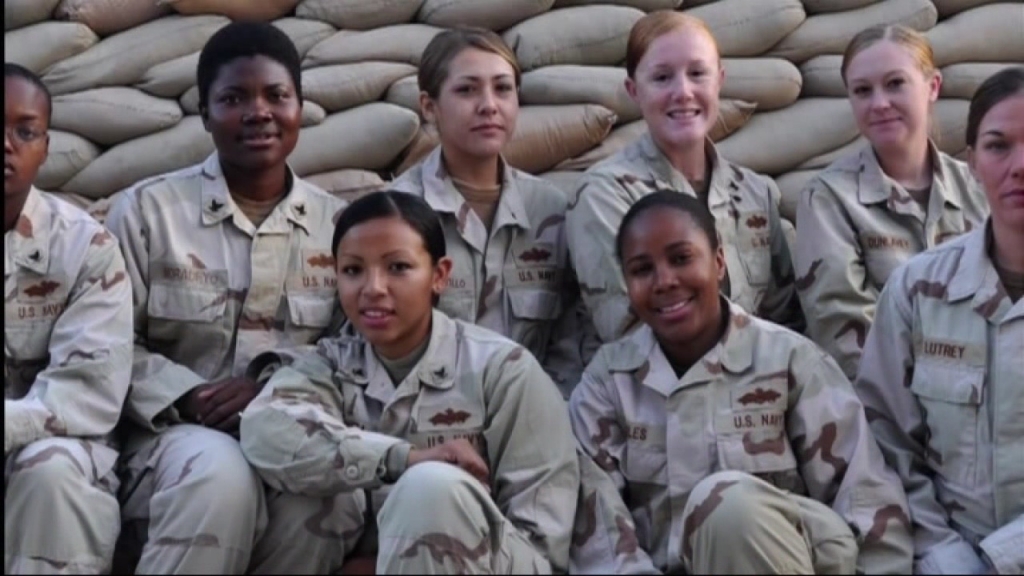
{"x":294,"y":437}
{"x":899,"y":428}
{"x":536,"y":481}
{"x":81,"y":391}
{"x":838,"y":297}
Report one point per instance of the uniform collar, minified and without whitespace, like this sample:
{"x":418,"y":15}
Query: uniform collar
{"x":975,"y":276}
{"x":217,"y":204}
{"x":724,"y":176}
{"x":874,"y":186}
{"x":30,"y":240}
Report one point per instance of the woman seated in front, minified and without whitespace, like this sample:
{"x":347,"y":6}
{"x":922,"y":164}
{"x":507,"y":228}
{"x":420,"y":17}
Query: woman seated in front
{"x":444,"y":444}
{"x":733,"y":445}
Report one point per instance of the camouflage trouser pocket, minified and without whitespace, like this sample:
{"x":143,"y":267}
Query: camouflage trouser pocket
{"x":833,"y":546}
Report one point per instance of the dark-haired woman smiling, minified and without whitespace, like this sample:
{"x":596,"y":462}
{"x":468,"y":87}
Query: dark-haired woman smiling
{"x":428,"y":425}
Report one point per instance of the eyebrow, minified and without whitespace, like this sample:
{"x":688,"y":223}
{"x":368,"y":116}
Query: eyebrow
{"x":993,"y":133}
{"x":478,"y":78}
{"x":671,"y":246}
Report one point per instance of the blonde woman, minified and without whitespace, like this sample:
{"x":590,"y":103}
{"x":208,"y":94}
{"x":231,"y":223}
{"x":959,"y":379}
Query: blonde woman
{"x":869,"y":212}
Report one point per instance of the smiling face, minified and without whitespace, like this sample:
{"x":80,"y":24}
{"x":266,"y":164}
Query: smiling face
{"x":25,"y":134}
{"x":673,"y":275}
{"x":387,"y":283}
{"x":676,"y":85}
{"x":253,"y":113}
{"x":997,"y":161}
{"x":891,"y":95}
{"x":477,"y":105}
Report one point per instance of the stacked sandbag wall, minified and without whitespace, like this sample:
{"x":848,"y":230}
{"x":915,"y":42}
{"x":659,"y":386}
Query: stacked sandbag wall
{"x":126,"y":107}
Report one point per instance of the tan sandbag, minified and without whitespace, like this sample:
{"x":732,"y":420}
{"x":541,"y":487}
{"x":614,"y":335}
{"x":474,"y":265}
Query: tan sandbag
{"x":823,"y":160}
{"x":547,"y":135}
{"x":262,"y":10}
{"x":993,"y":33}
{"x":182,"y":145}
{"x":827,"y":6}
{"x":19,"y":13}
{"x":645,"y":5}
{"x":732,"y":115}
{"x":172,"y":78}
{"x":424,"y":143}
{"x":948,"y":8}
{"x":369,"y":137}
{"x":490,"y":14}
{"x":962,"y":80}
{"x":399,"y":43}
{"x":822,"y":77}
{"x":344,"y":86}
{"x":405,"y":92}
{"x":68,"y":155}
{"x":113,"y":115}
{"x":590,"y":35}
{"x":830,"y":33}
{"x":949,"y":125}
{"x":572,"y":84}
{"x":106,"y":17}
{"x":80,"y":202}
{"x":566,"y":181}
{"x":750,"y":27}
{"x":312,"y":113}
{"x":189,"y":101}
{"x":349,"y":184}
{"x":618,"y":139}
{"x":39,"y":46}
{"x":790,"y":184}
{"x":304,"y":33}
{"x":778,"y":141}
{"x":771,"y":83}
{"x":359,"y":14}
{"x":122,"y":59}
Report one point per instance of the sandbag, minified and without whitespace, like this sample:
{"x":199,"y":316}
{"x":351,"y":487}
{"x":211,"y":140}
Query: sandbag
{"x":312,"y":113}
{"x":771,"y":83}
{"x":993,"y":33}
{"x":645,"y":5}
{"x":348,"y":185}
{"x":113,"y":115}
{"x":182,"y":145}
{"x":571,"y":84}
{"x":750,"y":27}
{"x":948,"y":8}
{"x":821,"y":161}
{"x":590,"y":35}
{"x":778,"y":141}
{"x":822,"y":77}
{"x":790,"y":185}
{"x":39,"y":46}
{"x":344,"y":86}
{"x":189,"y":101}
{"x":172,"y":78}
{"x":826,"y":6}
{"x":400,"y":43}
{"x":359,"y":14}
{"x":547,"y":135}
{"x":949,"y":125}
{"x":19,"y":13}
{"x":732,"y":115}
{"x":80,"y":202}
{"x":566,"y":181}
{"x":262,"y":11}
{"x":424,"y":143}
{"x":304,"y":33}
{"x":122,"y":59}
{"x":490,"y":14}
{"x":68,"y":155}
{"x":618,"y":139}
{"x":369,"y":137}
{"x":962,"y":80}
{"x":830,"y":33}
{"x":106,"y":17}
{"x":405,"y":92}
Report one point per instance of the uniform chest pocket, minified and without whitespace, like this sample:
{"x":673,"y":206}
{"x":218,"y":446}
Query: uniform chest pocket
{"x":532,"y":304}
{"x":757,"y":265}
{"x":645,"y":464}
{"x":950,"y":399}
{"x":310,"y":312}
{"x":185,"y":304}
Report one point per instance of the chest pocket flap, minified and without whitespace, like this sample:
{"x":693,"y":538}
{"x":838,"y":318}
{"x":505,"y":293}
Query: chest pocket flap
{"x":310,"y":312}
{"x":534,"y":304}
{"x":185,"y":304}
{"x":946,"y":384}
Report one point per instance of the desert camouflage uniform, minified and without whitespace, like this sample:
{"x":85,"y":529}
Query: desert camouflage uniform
{"x":67,"y":357}
{"x":211,"y":292}
{"x":734,"y":466}
{"x":518,"y":280}
{"x":332,"y":425}
{"x":941,"y":380}
{"x":743,"y":203}
{"x":855,"y":226}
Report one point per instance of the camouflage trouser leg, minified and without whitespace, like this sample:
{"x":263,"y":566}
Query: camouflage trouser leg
{"x":194,"y":501}
{"x":736,"y":523}
{"x":60,"y":513}
{"x":308,"y":535}
{"x":438,"y":519}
